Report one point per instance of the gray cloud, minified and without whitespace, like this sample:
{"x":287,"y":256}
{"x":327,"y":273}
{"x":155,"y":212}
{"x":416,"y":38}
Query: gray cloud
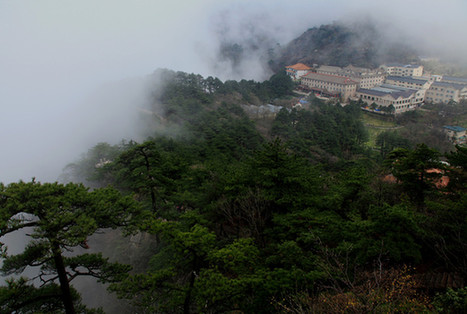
{"x":57,"y":58}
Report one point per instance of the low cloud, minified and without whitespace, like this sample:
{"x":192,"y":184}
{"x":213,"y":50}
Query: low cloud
{"x":58,"y":58}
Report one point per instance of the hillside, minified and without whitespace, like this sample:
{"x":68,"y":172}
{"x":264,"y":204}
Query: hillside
{"x":231,"y":211}
{"x":302,"y":215}
{"x":338,"y":44}
{"x":230,"y":219}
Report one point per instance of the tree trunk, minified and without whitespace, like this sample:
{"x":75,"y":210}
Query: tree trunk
{"x":148,"y":169}
{"x":63,"y":278}
{"x":187,"y":301}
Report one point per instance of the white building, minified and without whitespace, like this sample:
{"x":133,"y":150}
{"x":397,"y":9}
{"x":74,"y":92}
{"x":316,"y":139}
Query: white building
{"x":401,"y":99}
{"x":409,"y":82}
{"x":297,"y":70}
{"x":365,"y":78}
{"x":396,"y":69}
{"x":444,"y":92}
{"x":339,"y":86}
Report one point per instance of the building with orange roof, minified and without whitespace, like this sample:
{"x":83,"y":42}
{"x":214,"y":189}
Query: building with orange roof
{"x":440,"y":183}
{"x":297,"y":70}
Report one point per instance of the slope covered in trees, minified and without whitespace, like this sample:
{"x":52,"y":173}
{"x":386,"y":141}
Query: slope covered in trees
{"x":299,"y":218}
{"x":271,"y":229}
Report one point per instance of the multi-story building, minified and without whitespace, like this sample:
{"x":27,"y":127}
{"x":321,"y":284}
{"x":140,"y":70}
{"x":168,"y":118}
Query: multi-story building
{"x":336,"y":85}
{"x":366,"y":78}
{"x":400,"y":98}
{"x":429,"y":77}
{"x":369,"y":80}
{"x":409,"y":82}
{"x":396,"y":69}
{"x":297,"y":70}
{"x":444,"y":92}
{"x":455,"y":80}
{"x":329,"y":69}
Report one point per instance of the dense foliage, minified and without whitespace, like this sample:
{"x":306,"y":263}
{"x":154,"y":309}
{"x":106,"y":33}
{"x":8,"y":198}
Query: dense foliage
{"x":303,"y":218}
{"x":186,"y":94}
{"x":60,"y":217}
{"x":333,"y":129}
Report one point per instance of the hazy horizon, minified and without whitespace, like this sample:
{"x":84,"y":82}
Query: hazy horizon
{"x":72,"y":73}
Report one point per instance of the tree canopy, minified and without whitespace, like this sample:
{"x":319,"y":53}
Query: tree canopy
{"x":59,"y":219}
{"x":293,"y":212}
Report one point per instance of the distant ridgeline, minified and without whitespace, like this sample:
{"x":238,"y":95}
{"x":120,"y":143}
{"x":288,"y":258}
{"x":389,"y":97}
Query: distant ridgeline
{"x":336,"y":44}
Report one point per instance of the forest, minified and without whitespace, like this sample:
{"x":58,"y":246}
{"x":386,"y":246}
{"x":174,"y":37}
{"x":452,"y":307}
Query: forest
{"x":240,"y":214}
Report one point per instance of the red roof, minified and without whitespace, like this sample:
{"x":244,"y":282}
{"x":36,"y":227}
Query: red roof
{"x":441,"y":182}
{"x":299,"y":67}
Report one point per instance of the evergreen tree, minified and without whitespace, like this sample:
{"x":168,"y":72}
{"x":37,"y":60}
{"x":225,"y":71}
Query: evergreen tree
{"x":62,"y":217}
{"x":418,"y":171}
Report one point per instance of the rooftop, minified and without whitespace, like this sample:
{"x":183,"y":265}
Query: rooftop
{"x":447,"y":84}
{"x":454,"y":128}
{"x":460,"y":80}
{"x":395,"y":87}
{"x":357,"y":69}
{"x":406,"y":79}
{"x":298,"y":67}
{"x":329,"y":78}
{"x":394,"y":91}
{"x":330,"y":68}
{"x":375,"y":92}
{"x":410,"y":66}
{"x":349,"y":70}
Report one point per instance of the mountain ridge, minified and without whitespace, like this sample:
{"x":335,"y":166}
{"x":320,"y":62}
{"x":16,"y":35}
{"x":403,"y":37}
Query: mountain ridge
{"x":359,"y":44}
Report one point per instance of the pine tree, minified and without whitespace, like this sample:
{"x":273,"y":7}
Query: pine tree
{"x":58,"y":218}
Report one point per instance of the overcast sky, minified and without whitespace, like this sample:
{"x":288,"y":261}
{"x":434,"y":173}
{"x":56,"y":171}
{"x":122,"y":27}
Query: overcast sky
{"x":58,"y":59}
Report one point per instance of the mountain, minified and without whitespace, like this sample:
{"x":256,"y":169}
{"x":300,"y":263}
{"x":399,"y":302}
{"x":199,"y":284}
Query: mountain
{"x":359,"y":44}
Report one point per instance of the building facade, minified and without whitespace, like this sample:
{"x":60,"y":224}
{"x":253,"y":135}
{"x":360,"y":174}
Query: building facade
{"x":444,"y":92}
{"x":409,"y":82}
{"x":397,"y":98}
{"x":396,"y":69}
{"x":369,"y":80}
{"x":340,"y":86}
{"x":365,"y":78}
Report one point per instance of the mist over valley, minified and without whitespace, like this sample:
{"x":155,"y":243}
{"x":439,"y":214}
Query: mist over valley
{"x":55,"y":56}
{"x":259,"y":157}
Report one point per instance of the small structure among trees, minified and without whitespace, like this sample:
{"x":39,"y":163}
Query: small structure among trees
{"x":456,"y":134}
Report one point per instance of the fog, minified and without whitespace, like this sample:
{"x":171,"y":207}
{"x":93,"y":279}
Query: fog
{"x":72,"y":73}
